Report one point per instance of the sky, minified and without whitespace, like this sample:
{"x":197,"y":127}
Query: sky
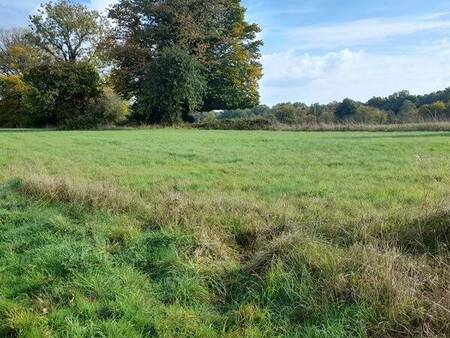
{"x":327,"y":50}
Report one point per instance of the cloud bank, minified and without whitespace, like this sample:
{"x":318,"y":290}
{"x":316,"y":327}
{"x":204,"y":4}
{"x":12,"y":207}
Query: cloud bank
{"x":353,"y":73}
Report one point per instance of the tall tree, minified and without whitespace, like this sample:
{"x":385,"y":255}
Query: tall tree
{"x":66,"y":30}
{"x":215,"y":33}
{"x":346,"y":109}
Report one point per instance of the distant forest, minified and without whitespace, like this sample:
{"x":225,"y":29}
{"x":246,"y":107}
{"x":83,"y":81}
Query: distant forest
{"x":400,"y":107}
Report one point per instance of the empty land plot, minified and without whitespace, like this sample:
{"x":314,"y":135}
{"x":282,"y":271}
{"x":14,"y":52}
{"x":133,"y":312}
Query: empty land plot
{"x":220,"y":233}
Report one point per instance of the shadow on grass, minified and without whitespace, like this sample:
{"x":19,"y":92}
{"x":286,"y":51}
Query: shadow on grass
{"x":426,"y":235}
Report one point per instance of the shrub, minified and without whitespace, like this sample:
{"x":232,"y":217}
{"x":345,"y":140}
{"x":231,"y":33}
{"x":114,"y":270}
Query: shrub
{"x":435,"y":111}
{"x":366,"y":114}
{"x":289,"y":113}
{"x":111,"y":108}
{"x":260,"y":110}
{"x":62,"y":94}
{"x":408,"y":113}
{"x":328,"y":116}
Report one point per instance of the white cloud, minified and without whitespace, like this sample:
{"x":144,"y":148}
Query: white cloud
{"x":353,"y":33}
{"x":357,"y":74}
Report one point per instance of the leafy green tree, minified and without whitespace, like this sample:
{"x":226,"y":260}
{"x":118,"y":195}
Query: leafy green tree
{"x":174,"y":87}
{"x":215,"y":33}
{"x":66,"y":30}
{"x":290,"y":113}
{"x":408,"y":112}
{"x":442,"y":95}
{"x":346,"y":109}
{"x":393,"y":102}
{"x":62,"y":94}
{"x":234,"y":72}
{"x":435,"y":111}
{"x":365,"y":114}
{"x":323,"y":113}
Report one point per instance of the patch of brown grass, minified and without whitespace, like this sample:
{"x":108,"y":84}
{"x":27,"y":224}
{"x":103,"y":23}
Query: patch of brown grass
{"x":403,"y":289}
{"x":410,"y":294}
{"x":420,"y":231}
{"x":89,"y":194}
{"x":409,"y":290}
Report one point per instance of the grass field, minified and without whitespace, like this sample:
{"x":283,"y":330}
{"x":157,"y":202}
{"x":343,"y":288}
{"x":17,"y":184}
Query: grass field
{"x":190,"y":233}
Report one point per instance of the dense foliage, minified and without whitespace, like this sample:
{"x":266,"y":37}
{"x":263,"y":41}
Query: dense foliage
{"x":215,"y":35}
{"x":173,"y":88}
{"x":171,"y":58}
{"x":13,"y":107}
{"x":401,"y":107}
{"x":49,"y":74}
{"x":61,"y":94}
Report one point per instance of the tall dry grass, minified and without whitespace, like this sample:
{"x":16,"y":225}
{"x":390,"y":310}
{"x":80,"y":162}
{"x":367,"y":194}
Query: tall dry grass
{"x":400,"y":273}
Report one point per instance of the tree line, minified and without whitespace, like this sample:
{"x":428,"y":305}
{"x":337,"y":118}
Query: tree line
{"x":398,"y":108}
{"x":147,"y":61}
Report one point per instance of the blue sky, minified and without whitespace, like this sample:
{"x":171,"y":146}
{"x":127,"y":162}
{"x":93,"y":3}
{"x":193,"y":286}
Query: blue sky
{"x":325,"y":50}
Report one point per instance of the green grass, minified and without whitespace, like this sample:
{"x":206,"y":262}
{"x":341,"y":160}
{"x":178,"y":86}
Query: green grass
{"x":190,"y":233}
